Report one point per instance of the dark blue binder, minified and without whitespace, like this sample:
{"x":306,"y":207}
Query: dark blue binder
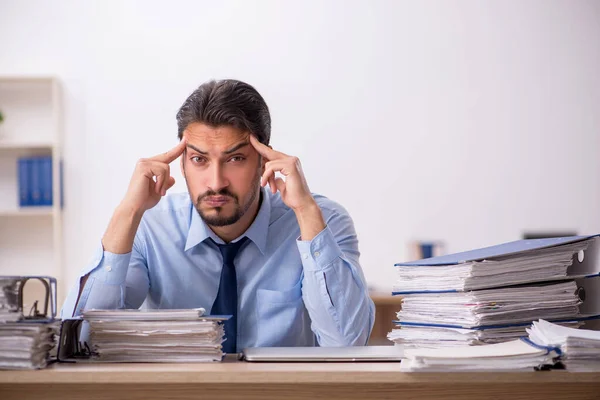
{"x":505,"y":249}
{"x":23,"y":179}
{"x":46,"y":180}
{"x":61,"y":195}
{"x":35,"y":181}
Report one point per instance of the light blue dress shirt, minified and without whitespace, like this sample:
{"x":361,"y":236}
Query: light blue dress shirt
{"x":291,"y":292}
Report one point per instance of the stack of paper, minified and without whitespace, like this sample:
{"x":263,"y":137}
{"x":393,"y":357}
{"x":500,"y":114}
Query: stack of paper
{"x":190,"y":314}
{"x":538,"y":265}
{"x":492,"y":295}
{"x":155,"y":335}
{"x":26,"y":345}
{"x":421,"y":336}
{"x":482,"y":316}
{"x":580,"y":348}
{"x":516,"y":355}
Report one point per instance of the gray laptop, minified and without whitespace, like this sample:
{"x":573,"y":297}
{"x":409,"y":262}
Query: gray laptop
{"x":323,"y":354}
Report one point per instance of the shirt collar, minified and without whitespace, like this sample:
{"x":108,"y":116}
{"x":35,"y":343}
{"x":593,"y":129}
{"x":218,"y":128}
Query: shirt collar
{"x":257,"y":232}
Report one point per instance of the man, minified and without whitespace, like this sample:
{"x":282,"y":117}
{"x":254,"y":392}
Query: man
{"x":284,"y":262}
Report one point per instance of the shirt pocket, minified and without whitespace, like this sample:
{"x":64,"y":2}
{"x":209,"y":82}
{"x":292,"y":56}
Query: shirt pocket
{"x":281,"y":317}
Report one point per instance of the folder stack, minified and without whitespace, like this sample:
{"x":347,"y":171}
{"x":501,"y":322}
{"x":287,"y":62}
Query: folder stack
{"x":579,"y":348}
{"x":154,"y":335}
{"x":25,"y":343}
{"x":490,"y":295}
{"x":482,"y":316}
{"x":516,"y":355}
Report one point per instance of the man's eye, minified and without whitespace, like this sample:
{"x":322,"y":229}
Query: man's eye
{"x":197,"y":160}
{"x":237,"y":159}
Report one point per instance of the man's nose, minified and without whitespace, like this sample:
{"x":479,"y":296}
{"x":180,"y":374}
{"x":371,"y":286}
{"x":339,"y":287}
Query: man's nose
{"x":217,"y":179}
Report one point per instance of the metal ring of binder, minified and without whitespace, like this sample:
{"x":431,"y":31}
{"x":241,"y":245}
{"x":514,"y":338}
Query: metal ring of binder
{"x":50,"y":295}
{"x":46,"y":300}
{"x":580,"y":292}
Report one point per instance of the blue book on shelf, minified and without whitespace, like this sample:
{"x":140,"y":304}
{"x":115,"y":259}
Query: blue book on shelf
{"x":35,"y":172}
{"x":46,"y":180}
{"x":60,"y":182}
{"x":23,"y":180}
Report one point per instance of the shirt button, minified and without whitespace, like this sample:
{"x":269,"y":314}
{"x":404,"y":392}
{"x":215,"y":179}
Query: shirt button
{"x":108,"y":268}
{"x":305,"y":256}
{"x":317,"y":253}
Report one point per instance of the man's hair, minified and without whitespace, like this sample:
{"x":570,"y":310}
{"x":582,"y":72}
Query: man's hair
{"x":227,"y":102}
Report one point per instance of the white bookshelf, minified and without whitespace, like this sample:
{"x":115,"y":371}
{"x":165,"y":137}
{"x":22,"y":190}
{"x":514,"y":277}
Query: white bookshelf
{"x":28,"y":212}
{"x":30,"y":237}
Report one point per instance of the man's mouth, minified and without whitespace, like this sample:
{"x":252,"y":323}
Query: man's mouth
{"x":216,"y":201}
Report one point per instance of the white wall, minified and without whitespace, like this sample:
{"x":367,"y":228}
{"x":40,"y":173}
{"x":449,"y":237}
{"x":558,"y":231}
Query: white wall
{"x":465,"y":121}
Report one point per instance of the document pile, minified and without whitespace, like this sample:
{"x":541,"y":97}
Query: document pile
{"x":489,"y":295}
{"x":154,"y":335}
{"x":26,"y":345}
{"x":482,"y":316}
{"x":450,"y":273}
{"x":516,"y":355}
{"x":25,"y":342}
{"x":580,"y":348}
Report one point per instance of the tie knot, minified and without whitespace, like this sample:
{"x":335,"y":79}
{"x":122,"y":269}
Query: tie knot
{"x":230,"y":250}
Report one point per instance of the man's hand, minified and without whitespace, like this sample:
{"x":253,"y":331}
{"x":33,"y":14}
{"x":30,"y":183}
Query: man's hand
{"x":144,"y":192}
{"x":294,"y":190}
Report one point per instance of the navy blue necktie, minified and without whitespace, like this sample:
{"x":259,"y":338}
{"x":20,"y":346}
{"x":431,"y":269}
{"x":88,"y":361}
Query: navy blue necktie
{"x":226,"y":302}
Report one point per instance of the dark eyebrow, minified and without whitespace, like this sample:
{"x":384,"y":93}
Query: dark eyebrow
{"x":228,"y":151}
{"x":236,"y":147}
{"x":196,"y":149}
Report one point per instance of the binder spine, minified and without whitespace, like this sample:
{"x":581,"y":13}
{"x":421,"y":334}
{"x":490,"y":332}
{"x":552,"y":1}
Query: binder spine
{"x":23,"y":180}
{"x":46,"y":181}
{"x":35,"y":181}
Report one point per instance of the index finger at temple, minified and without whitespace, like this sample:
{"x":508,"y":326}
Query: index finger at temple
{"x":171,"y":155}
{"x":264,"y":150}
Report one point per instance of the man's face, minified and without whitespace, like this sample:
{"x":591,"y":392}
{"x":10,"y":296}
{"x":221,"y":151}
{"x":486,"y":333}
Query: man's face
{"x":222,"y":171}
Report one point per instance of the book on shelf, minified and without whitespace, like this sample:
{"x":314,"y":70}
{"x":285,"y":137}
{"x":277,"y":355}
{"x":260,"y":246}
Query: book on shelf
{"x":35,"y":181}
